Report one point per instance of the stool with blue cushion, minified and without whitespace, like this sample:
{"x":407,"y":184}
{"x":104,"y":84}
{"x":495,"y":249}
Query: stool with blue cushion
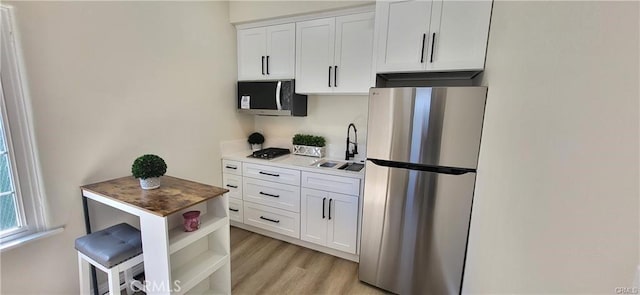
{"x":113,"y":250}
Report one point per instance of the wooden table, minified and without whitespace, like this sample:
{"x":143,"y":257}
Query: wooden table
{"x":175,"y":261}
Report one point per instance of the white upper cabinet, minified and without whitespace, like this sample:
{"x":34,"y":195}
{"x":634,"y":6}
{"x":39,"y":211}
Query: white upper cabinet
{"x":403,"y":27}
{"x":335,"y":55}
{"x":314,"y":57}
{"x":266,"y":53}
{"x":438,"y":35}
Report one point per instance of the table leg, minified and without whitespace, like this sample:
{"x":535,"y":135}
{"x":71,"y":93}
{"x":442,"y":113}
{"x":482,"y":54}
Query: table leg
{"x":87,"y":226}
{"x":155,"y":248}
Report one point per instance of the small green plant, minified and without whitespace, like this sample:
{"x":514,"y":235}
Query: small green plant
{"x":256,"y":138}
{"x":147,"y":166}
{"x":308,"y":140}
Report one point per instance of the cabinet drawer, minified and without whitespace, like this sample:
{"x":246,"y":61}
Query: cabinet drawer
{"x":232,"y":167}
{"x":275,"y":174}
{"x":330,"y":183}
{"x":282,"y":196}
{"x":235,"y":210}
{"x":272,"y":219}
{"x":234,"y":184}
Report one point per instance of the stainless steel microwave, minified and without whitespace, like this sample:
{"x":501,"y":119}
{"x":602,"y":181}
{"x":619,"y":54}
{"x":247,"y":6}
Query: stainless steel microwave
{"x":271,"y":98}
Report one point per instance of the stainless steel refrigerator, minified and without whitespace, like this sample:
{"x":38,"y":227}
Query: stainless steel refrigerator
{"x":422,"y":154}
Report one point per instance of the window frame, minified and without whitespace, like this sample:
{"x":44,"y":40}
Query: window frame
{"x":18,"y":128}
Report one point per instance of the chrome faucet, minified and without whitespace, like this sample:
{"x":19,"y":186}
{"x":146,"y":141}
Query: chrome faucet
{"x":355,"y":143}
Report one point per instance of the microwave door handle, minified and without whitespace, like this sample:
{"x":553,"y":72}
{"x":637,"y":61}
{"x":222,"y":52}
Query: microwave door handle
{"x":278,"y":91}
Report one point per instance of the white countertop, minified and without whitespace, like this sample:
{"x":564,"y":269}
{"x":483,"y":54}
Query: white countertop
{"x":292,"y":161}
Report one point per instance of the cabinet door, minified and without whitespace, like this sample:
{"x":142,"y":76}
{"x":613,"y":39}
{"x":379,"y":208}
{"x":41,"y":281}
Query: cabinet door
{"x":354,"y":53}
{"x":314,"y":55}
{"x":281,"y":53}
{"x":403,"y":28}
{"x":343,"y":222}
{"x":252,"y":47}
{"x":313,"y":227}
{"x":461,"y":30}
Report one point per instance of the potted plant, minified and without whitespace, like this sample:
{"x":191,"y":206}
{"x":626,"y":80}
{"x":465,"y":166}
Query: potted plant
{"x":309,"y":145}
{"x":148,"y":168}
{"x":256,"y":140}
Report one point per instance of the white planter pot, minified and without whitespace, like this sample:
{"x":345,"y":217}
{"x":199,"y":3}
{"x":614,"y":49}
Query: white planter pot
{"x":311,"y":151}
{"x":150,"y":183}
{"x":256,"y":147}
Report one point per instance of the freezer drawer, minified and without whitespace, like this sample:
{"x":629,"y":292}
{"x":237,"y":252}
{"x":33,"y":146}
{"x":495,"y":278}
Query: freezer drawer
{"x":414,"y":229}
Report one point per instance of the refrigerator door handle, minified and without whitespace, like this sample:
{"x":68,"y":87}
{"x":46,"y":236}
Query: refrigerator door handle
{"x":421,"y":167}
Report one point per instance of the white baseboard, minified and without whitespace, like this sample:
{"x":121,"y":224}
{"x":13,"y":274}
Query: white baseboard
{"x":343,"y":255}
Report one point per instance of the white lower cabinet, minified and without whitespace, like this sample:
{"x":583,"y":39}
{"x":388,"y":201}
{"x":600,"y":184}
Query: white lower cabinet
{"x":329,"y":219}
{"x":312,"y":207}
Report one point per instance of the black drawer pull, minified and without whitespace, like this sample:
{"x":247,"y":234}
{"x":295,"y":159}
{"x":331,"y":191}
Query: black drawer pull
{"x":269,"y":219}
{"x":234,"y":210}
{"x":424,"y":37}
{"x":232,"y":186}
{"x":270,"y":174}
{"x":270,"y":195}
{"x":433,"y":44}
{"x":268,"y":65}
{"x":330,"y":208}
{"x":231,"y":167}
{"x":324,"y":200}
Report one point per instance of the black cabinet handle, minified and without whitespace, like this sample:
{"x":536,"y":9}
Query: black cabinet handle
{"x":269,"y":219}
{"x":231,"y":167}
{"x":330,"y":208}
{"x":433,"y":43}
{"x":424,"y":38}
{"x":268,"y":65}
{"x":232,"y":186}
{"x":323,"y":201}
{"x":270,"y":174}
{"x":262,"y":64}
{"x":234,"y":210}
{"x":335,"y":76}
{"x":270,"y":195}
{"x":329,"y":78}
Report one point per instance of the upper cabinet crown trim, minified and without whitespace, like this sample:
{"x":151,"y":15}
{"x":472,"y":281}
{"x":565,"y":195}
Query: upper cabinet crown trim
{"x":306,"y":17}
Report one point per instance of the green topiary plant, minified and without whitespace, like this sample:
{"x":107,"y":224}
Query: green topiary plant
{"x":308,"y":140}
{"x":256,"y":138}
{"x":148,"y":166}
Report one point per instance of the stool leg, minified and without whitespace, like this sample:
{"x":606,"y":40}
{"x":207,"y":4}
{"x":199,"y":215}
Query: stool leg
{"x":114,"y":281}
{"x":85,"y":276}
{"x":128,"y":279}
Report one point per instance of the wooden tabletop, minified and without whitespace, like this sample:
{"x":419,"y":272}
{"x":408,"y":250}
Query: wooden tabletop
{"x":173,"y":195}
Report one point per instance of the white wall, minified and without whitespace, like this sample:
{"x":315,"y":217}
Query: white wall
{"x":327,"y":116}
{"x":248,"y":11}
{"x":110,"y":81}
{"x":556,"y":204}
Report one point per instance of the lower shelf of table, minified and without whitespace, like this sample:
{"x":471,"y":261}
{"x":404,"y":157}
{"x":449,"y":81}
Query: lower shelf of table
{"x":198,"y":269}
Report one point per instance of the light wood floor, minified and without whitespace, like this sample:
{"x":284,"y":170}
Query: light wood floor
{"x":262,"y":265}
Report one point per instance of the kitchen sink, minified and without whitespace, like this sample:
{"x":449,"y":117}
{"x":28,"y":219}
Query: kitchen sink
{"x":340,"y":165}
{"x":351,"y":167}
{"x":327,"y":163}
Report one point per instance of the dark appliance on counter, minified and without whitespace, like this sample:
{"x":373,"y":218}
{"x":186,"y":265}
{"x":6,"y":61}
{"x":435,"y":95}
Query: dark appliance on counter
{"x":269,"y":153}
{"x":422,"y":155}
{"x":271,"y":98}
